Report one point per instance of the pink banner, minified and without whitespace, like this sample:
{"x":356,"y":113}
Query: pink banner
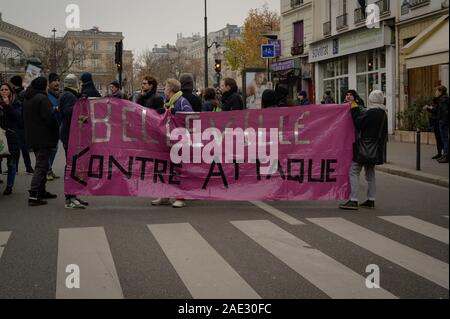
{"x":118,"y":148}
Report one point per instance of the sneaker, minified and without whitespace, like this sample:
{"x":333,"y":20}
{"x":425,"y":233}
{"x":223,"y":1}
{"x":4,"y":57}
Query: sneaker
{"x":47,"y":195}
{"x":161,"y":202}
{"x":8,"y":191}
{"x":350,"y":205}
{"x":82,"y":202}
{"x":179,"y":204}
{"x":438,"y":156}
{"x":369,"y":204}
{"x":443,"y":160}
{"x":55,"y":176}
{"x":50,"y":177}
{"x":73,"y":203}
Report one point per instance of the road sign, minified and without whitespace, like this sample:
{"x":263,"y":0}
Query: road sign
{"x":267,"y":51}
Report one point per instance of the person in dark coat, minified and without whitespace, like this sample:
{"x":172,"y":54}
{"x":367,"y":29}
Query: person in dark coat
{"x":41,"y":131}
{"x":211,"y":103}
{"x":187,"y":87}
{"x":17,"y":82}
{"x":115,"y":91}
{"x":368,"y":124}
{"x":434,"y":125}
{"x":302,"y":98}
{"x":282,"y":91}
{"x":10,"y":118}
{"x":149,"y":98}
{"x":269,"y":99}
{"x":87,"y":87}
{"x":443,"y":104}
{"x":231,"y":100}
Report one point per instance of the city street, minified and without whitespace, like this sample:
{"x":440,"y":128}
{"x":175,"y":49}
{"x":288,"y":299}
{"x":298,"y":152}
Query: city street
{"x":125,"y":248}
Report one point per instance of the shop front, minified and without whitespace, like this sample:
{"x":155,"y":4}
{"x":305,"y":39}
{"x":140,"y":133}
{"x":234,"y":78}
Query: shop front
{"x":363,"y":60}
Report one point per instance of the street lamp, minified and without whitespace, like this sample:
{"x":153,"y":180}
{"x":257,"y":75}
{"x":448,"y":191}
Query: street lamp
{"x":54,"y":66}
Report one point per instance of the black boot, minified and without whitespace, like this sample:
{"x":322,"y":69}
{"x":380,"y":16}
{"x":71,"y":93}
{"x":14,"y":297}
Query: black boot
{"x":34,"y":200}
{"x":47,"y":195}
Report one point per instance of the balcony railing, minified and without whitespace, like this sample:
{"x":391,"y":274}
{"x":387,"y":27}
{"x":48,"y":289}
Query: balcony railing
{"x":327,"y":28}
{"x":296,"y":3}
{"x":418,"y":3}
{"x":360,"y":15}
{"x":297,"y":49}
{"x":341,"y":22}
{"x":384,"y":6}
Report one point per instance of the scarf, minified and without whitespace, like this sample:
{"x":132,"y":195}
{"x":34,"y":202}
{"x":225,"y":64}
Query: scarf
{"x":170,"y":104}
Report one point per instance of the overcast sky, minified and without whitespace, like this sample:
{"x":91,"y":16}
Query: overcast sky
{"x":144,"y":23}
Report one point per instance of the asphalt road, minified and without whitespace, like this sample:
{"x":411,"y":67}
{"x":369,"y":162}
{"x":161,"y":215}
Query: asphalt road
{"x":125,"y":248}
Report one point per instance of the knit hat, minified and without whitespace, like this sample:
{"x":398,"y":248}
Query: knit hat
{"x":39,"y":83}
{"x":86,"y":77}
{"x":16,"y":81}
{"x":116,"y":84}
{"x":376,"y":100}
{"x":71,"y":80}
{"x":187,"y":82}
{"x":52,"y":77}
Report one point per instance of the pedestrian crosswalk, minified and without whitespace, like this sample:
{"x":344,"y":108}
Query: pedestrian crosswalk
{"x":207,"y":272}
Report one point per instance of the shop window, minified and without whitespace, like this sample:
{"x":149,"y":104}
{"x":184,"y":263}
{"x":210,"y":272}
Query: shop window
{"x":335,"y":78}
{"x":371,"y":72}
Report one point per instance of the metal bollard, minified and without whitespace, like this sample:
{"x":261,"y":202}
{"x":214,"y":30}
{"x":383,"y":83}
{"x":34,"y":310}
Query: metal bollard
{"x":418,"y":141}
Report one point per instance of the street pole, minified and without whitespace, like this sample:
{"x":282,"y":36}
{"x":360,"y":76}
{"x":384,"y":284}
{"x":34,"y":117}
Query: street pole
{"x":54,"y":67}
{"x":206,"y":46}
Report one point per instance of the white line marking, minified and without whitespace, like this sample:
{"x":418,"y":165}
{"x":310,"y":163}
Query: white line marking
{"x":277,"y":213}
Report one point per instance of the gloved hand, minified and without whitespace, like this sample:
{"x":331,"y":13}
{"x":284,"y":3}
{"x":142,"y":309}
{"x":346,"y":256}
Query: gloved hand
{"x":161,"y":111}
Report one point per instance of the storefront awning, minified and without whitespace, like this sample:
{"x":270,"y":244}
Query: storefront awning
{"x":430,"y":47}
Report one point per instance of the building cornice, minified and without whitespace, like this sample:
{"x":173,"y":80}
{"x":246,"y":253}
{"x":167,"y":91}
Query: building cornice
{"x":297,"y":9}
{"x":423,"y":17}
{"x":22,"y":33}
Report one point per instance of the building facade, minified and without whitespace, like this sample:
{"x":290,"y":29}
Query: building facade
{"x":348,"y":52}
{"x":422,"y":37}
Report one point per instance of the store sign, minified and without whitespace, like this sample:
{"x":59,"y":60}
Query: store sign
{"x":361,"y":40}
{"x":283,"y":66}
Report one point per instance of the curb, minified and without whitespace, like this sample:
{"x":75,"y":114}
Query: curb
{"x":413,"y":174}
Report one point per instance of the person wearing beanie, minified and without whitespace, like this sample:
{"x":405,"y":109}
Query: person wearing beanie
{"x":269,"y":99}
{"x":370,"y":125}
{"x":42,"y":135}
{"x":302,"y":98}
{"x":88,"y":88}
{"x":187,"y":87}
{"x":67,"y":101}
{"x":114,"y":90}
{"x":54,"y":84}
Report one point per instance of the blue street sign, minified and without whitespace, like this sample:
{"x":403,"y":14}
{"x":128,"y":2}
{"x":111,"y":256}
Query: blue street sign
{"x":267,"y":51}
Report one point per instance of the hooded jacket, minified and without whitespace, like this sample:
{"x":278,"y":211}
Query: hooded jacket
{"x":187,"y":86}
{"x":67,"y":101}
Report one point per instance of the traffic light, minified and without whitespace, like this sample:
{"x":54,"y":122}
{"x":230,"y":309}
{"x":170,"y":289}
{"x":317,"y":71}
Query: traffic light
{"x":218,"y":66}
{"x":119,"y":53}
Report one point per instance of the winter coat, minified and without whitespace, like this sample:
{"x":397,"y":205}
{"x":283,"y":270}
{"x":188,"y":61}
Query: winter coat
{"x":232,"y":101}
{"x":193,"y":99}
{"x":11,"y":121}
{"x":211,"y":106}
{"x":88,"y":90}
{"x":41,"y":127}
{"x":443,"y":109}
{"x":151,"y":100}
{"x":182,"y":105}
{"x":67,"y":101}
{"x":368,"y":124}
{"x":302,"y":102}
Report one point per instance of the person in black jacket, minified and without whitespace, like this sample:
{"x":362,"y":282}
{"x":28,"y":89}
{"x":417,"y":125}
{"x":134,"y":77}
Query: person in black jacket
{"x":41,"y":131}
{"x":187,"y":87}
{"x":231,"y":100}
{"x":443,"y":104}
{"x":88,"y":88}
{"x":370,"y":124}
{"x":149,"y":98}
{"x":269,"y":99}
{"x":10,"y":118}
{"x":434,"y":125}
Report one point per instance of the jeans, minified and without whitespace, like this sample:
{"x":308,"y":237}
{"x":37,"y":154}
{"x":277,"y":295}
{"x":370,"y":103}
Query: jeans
{"x":355,"y":171}
{"x":51,"y":160}
{"x":12,"y":164}
{"x":444,"y":136}
{"x":40,"y":171}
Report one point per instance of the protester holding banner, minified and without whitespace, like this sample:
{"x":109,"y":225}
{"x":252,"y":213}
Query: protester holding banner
{"x":88,"y":88}
{"x":41,"y":130}
{"x":372,"y":132}
{"x":187,"y":87}
{"x":114,"y":90}
{"x":211,"y":103}
{"x":149,"y":98}
{"x":10,"y":118}
{"x":302,"y":98}
{"x":68,"y":99}
{"x":231,"y":100}
{"x":53,"y":95}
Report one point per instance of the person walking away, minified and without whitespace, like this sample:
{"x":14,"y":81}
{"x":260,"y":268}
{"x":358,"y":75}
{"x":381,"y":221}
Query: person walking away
{"x":67,"y":101}
{"x":10,"y":117}
{"x":302,"y":98}
{"x":442,"y":95}
{"x":434,"y":125}
{"x":87,"y":87}
{"x":54,"y":83}
{"x":175,"y":102}
{"x":187,"y":87}
{"x":41,"y":130}
{"x":115,"y":91}
{"x":231,"y":100}
{"x":211,"y":103}
{"x":149,"y":98}
{"x":370,"y":125}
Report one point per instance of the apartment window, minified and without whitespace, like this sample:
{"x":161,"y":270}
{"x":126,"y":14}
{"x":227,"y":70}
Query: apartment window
{"x":335,"y":78}
{"x":298,"y":33}
{"x":370,"y":72}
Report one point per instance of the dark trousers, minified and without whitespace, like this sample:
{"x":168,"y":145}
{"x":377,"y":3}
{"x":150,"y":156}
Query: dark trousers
{"x":444,"y":136}
{"x":437,"y":134}
{"x":25,"y":153}
{"x":40,"y":171}
{"x":66,"y":150}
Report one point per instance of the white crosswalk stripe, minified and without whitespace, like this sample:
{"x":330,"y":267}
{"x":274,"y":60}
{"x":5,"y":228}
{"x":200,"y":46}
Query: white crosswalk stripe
{"x":404,"y":256}
{"x":330,"y":276}
{"x":88,"y":249}
{"x":420,"y":226}
{"x":277,"y":213}
{"x":4,"y":236}
{"x":203,"y":271}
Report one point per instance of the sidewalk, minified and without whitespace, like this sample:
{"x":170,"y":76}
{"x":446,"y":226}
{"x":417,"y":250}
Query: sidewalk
{"x":401,"y":160}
